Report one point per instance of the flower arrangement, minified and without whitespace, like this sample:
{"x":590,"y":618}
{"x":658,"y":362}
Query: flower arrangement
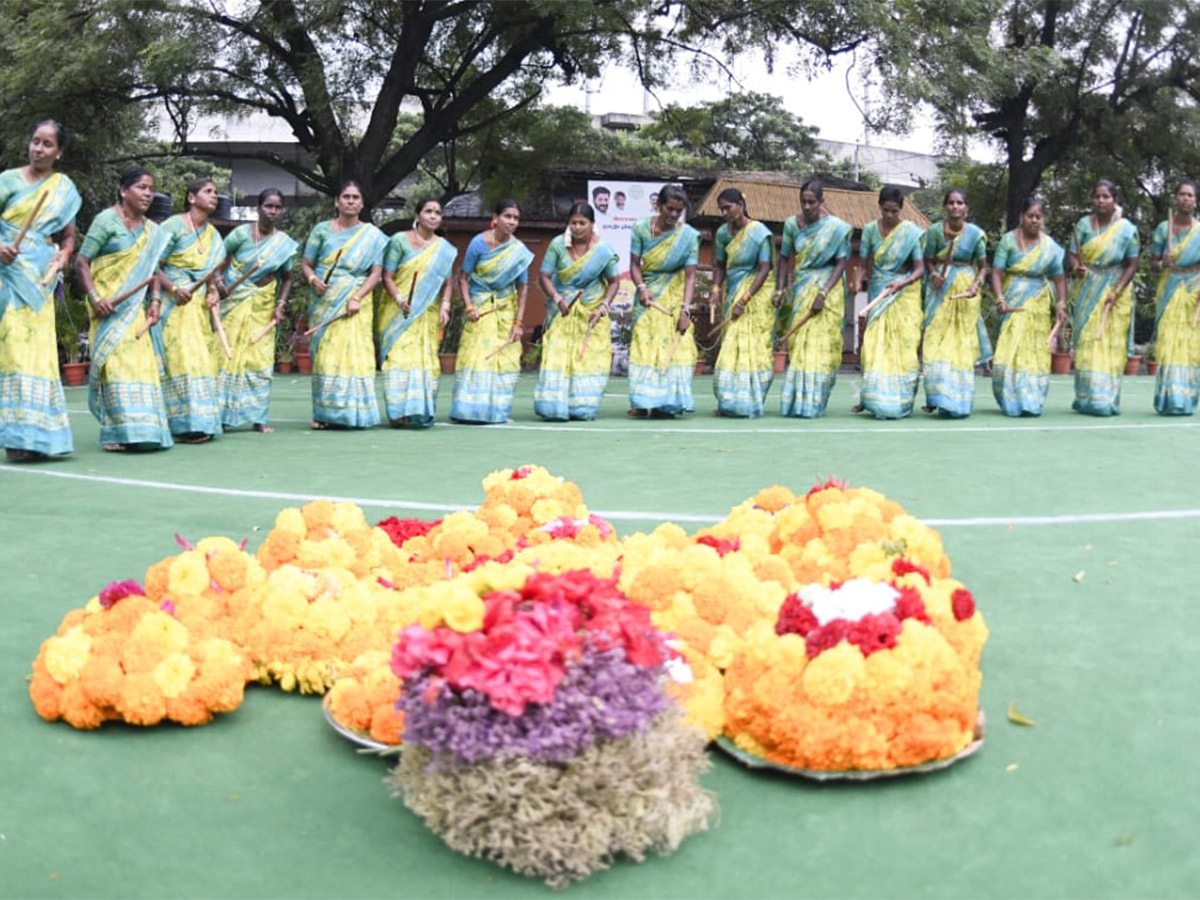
{"x":125,"y":657}
{"x":536,"y":729}
{"x":364,"y":698}
{"x":860,"y":675}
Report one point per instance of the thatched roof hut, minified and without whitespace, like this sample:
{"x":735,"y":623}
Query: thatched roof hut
{"x":773,"y":197}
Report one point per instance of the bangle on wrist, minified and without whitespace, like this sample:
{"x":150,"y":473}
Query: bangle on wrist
{"x":310,"y":279}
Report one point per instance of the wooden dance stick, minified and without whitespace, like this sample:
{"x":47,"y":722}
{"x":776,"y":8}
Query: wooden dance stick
{"x":406,"y":305}
{"x":333,"y":265}
{"x":325,"y":324}
{"x":671,"y":352}
{"x":803,"y":321}
{"x":220,"y":330}
{"x":241,"y":278}
{"x":1103,"y":320}
{"x":653,"y":304}
{"x":121,"y":298}
{"x":262,"y":334}
{"x":51,"y":273}
{"x":587,"y":334}
{"x":1053,"y":331}
{"x":502,"y":348}
{"x":37,"y":208}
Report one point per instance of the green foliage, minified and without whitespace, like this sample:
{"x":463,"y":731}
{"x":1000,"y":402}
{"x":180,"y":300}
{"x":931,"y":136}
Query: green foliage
{"x":1091,"y":85}
{"x":748,"y":131}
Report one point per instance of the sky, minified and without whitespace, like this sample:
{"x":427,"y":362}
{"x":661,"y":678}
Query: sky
{"x":825,"y":102}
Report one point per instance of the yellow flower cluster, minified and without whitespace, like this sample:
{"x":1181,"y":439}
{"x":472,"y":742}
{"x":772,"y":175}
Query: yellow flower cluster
{"x":903,"y":706}
{"x":133,"y":663}
{"x":364,"y":697}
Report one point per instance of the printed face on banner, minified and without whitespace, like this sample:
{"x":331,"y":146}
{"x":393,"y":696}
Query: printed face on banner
{"x":619,"y":205}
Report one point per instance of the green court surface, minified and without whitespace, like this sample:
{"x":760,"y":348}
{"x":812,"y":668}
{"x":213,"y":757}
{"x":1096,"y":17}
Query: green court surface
{"x":1080,"y":538}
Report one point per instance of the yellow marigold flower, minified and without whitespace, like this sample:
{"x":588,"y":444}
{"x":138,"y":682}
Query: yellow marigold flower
{"x":496,"y":479}
{"x":832,"y":678}
{"x":348,"y":517}
{"x":723,"y":647}
{"x":174,"y":674}
{"x":327,"y":619}
{"x":463,"y":611}
{"x":66,"y":656}
{"x":291,"y":520}
{"x":296,"y":579}
{"x":161,"y":630}
{"x":318,"y":519}
{"x":213,"y":545}
{"x":774,"y":498}
{"x":870,"y":561}
{"x":544,"y":511}
{"x":284,"y":607}
{"x":188,"y":574}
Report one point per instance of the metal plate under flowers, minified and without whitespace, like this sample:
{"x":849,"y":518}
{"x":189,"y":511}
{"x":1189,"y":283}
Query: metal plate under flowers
{"x":757,"y":762}
{"x":361,"y":738}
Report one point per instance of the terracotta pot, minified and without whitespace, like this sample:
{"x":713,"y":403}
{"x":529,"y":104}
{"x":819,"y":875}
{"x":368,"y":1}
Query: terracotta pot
{"x":1133,"y":365}
{"x":1060,"y":363}
{"x":304,"y":363}
{"x":75,"y":373}
{"x":284,"y":367}
{"x":1152,"y":367}
{"x":781,"y":360}
{"x":449,"y":362}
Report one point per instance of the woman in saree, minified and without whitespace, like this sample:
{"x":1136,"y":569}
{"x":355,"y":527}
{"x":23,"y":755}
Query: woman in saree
{"x":1176,"y":252}
{"x":342,"y":262}
{"x":38,"y":205}
{"x":812,"y":296}
{"x":416,"y":273}
{"x":494,"y":285}
{"x":1027,"y":274}
{"x":744,"y":278}
{"x":185,"y":336}
{"x":663,"y":256}
{"x":116,"y":264}
{"x":894,"y":267}
{"x":254,"y":289}
{"x":1103,"y":254}
{"x":580,"y":276}
{"x":955,"y":266}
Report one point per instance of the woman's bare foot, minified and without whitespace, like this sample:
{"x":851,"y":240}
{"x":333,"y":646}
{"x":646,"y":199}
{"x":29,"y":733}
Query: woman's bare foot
{"x":194,"y":438}
{"x":636,"y":413}
{"x":857,"y":408}
{"x":116,"y":448}
{"x":263,"y":429}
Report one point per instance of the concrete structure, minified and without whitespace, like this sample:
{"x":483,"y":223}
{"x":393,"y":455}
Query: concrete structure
{"x":902,"y":168}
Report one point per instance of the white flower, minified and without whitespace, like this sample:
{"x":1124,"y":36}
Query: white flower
{"x":853,"y":600}
{"x":679,"y":671}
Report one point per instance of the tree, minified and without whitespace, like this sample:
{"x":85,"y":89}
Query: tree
{"x":742,"y":131}
{"x":339,"y":72}
{"x":1051,"y":82}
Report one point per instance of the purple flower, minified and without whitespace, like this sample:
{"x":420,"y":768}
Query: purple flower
{"x":119,"y":590}
{"x":602,"y":696}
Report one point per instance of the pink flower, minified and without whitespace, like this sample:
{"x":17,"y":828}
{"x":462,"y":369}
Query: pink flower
{"x":795,"y":617}
{"x":520,"y":473}
{"x":963,"y":604}
{"x":902,"y":566}
{"x":875,"y":632}
{"x":119,"y":590}
{"x":721,"y":546}
{"x":826,"y":637}
{"x":183,"y":542}
{"x":828,"y":483}
{"x":168,"y":607}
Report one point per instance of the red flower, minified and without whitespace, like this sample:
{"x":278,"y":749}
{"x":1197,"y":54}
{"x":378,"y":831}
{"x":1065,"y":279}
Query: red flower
{"x":520,"y":473}
{"x":963,"y":604}
{"x":400,"y":530}
{"x":478,"y":561}
{"x":721,"y":546}
{"x":119,"y":590}
{"x":909,"y":604}
{"x":828,"y":483}
{"x":902,"y":566}
{"x":875,"y":632}
{"x":795,"y":617}
{"x":826,"y":636}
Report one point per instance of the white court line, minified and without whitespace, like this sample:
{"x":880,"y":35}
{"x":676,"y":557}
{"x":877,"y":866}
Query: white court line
{"x":619,"y":514}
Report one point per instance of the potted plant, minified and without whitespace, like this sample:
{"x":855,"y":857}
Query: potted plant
{"x":1060,"y":356}
{"x":451,"y":335}
{"x":1133,"y":363}
{"x":1151,"y":359}
{"x":70,"y":323}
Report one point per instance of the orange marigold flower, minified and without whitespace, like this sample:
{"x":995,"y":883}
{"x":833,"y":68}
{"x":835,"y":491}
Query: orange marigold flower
{"x":318,"y":518}
{"x":387,"y":724}
{"x":157,"y":578}
{"x":774,"y":498}
{"x":141,"y":702}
